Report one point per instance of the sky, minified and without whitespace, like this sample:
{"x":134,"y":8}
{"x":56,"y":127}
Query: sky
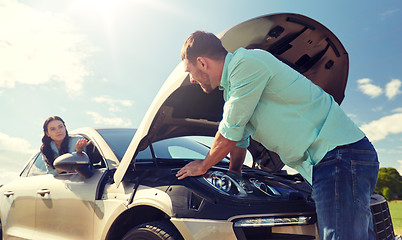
{"x":100,"y":63}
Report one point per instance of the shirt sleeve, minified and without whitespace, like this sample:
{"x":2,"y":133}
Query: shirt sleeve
{"x":244,"y":143}
{"x":247,"y":81}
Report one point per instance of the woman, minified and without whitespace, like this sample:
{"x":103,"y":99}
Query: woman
{"x":57,"y":142}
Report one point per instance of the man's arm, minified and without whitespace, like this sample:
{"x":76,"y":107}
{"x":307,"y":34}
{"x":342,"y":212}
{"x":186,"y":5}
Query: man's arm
{"x":220,"y":149}
{"x":237,"y":157}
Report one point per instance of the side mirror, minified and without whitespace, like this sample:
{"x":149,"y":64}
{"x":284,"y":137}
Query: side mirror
{"x":74,"y":162}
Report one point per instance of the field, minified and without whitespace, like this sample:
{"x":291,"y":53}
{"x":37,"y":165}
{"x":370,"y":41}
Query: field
{"x":395,"y":208}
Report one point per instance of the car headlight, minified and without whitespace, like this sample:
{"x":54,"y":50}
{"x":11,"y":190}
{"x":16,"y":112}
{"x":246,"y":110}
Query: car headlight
{"x":272,"y":221}
{"x":230,"y":185}
{"x":266,"y":189}
{"x":224,"y":183}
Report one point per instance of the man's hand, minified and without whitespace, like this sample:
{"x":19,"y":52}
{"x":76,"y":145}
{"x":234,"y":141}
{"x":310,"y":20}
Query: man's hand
{"x":79,"y":146}
{"x":194,"y":168}
{"x":220,"y":149}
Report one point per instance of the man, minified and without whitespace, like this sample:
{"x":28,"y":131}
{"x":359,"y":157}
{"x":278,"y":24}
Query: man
{"x":267,"y":100}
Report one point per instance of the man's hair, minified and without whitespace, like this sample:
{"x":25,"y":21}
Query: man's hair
{"x":202,"y":44}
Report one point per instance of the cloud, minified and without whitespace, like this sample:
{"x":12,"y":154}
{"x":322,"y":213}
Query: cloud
{"x":377,"y":109}
{"x":393,"y":88}
{"x":381,"y":128}
{"x":15,"y":152}
{"x":352,"y":115}
{"x":40,"y":48}
{"x":14,"y":144}
{"x":12,"y":163}
{"x":399,"y":167}
{"x":113,"y":103}
{"x":397,"y":110}
{"x":388,"y":13}
{"x":117,"y":122}
{"x":368,"y":88}
{"x":7,"y":175}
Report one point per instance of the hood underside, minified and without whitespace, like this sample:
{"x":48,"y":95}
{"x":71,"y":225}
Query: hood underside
{"x":301,"y":42}
{"x":183,"y":109}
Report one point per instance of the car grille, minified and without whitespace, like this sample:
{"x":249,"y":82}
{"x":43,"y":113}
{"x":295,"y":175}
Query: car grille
{"x":381,"y":218}
{"x":275,"y":233}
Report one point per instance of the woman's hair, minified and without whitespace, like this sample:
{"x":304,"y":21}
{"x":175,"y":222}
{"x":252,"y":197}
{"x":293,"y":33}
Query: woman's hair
{"x":46,"y":149}
{"x":203,"y":44}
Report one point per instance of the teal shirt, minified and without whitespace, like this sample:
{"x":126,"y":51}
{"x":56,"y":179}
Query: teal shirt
{"x":283,"y":110}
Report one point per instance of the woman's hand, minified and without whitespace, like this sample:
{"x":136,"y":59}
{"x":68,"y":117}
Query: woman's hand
{"x":79,"y":146}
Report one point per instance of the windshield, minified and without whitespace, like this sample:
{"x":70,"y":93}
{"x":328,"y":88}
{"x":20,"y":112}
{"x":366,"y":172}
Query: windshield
{"x":188,"y":148}
{"x":117,"y":139}
{"x":175,"y":148}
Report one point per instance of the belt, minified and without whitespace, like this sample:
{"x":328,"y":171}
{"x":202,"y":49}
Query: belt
{"x":340,"y":146}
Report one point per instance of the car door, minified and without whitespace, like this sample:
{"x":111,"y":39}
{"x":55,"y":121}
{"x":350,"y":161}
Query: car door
{"x":65,"y":206}
{"x":18,"y":203}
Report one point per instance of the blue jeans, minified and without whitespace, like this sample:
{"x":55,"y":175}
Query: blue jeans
{"x":342,"y":184}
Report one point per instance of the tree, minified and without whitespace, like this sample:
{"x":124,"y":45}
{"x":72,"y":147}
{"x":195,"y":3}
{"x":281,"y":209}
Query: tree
{"x":386,"y":192}
{"x":389,"y":184}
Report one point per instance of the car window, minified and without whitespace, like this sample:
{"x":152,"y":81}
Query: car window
{"x":95,"y":157}
{"x":92,"y":151}
{"x":24,"y":172}
{"x":38,"y":167}
{"x":145,"y":154}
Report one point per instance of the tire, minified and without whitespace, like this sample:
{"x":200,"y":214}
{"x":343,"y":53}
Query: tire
{"x":158,"y":230}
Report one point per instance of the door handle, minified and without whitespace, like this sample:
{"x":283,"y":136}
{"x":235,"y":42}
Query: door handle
{"x":43,"y":192}
{"x":8,"y":193}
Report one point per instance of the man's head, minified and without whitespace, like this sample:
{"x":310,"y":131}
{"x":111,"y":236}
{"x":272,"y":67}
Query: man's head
{"x":204,"y":56}
{"x":202,"y":44}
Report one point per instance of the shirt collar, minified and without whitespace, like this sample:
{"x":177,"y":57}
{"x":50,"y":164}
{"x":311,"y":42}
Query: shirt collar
{"x":54,"y":147}
{"x":224,"y":78}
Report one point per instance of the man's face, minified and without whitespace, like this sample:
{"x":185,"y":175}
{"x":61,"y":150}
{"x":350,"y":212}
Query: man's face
{"x":197,"y":76}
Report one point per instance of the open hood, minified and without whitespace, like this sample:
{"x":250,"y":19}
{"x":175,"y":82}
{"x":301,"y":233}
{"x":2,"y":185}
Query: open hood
{"x":182,"y":109}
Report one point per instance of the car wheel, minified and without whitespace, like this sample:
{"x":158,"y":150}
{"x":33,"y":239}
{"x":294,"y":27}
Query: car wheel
{"x":159,"y":230}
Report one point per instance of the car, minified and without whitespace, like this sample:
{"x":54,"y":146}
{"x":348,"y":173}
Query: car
{"x":124,"y":185}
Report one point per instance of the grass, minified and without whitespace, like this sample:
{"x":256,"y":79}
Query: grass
{"x":395,"y":208}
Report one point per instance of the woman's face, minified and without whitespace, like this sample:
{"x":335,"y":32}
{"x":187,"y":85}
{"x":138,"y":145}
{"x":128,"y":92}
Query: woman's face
{"x":56,"y":130}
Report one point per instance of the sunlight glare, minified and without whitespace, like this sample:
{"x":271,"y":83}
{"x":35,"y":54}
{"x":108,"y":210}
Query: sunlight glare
{"x":102,"y":7}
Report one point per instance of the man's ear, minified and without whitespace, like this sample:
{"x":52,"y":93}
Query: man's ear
{"x":202,"y":62}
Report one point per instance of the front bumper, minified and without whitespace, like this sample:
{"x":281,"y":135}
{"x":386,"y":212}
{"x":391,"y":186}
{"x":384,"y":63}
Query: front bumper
{"x":203,"y":229}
